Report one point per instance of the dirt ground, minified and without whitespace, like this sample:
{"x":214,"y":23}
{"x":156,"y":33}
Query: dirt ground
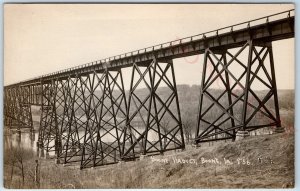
{"x":265,"y":161}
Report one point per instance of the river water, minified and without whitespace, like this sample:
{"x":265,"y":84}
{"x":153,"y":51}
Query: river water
{"x":24,"y":139}
{"x":28,"y":140}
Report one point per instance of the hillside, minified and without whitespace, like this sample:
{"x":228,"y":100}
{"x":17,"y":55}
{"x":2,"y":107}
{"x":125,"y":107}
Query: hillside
{"x":274,"y":169}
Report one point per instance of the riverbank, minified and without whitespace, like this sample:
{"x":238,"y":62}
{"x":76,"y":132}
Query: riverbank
{"x":265,"y":161}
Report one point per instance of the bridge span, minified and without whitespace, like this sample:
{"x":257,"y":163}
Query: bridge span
{"x":87,"y":117}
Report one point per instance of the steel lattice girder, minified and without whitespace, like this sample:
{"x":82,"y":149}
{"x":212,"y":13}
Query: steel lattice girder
{"x":151,"y":113}
{"x":237,"y":106}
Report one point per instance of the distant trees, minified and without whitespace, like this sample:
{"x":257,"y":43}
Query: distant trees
{"x":187,"y":128}
{"x":164,"y":127}
{"x":189,"y":122}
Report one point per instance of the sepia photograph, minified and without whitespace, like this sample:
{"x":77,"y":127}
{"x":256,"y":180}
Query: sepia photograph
{"x":152,"y":96}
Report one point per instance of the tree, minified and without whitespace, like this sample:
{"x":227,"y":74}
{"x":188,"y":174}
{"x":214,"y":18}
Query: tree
{"x":187,"y":128}
{"x":16,"y":159}
{"x":164,"y":128}
{"x":189,"y":121}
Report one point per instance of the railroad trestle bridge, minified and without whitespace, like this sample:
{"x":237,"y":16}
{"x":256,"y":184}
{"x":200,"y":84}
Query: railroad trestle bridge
{"x":87,"y":116}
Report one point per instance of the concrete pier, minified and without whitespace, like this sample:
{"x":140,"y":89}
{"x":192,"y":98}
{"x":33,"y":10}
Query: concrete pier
{"x":242,"y":134}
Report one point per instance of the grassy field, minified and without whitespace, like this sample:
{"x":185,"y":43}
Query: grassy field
{"x":265,"y":161}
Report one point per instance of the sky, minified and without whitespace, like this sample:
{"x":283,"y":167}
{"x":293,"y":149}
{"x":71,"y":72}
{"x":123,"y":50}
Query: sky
{"x":44,"y":38}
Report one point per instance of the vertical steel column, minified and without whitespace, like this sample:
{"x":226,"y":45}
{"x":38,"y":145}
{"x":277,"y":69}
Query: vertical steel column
{"x":201,"y":94}
{"x":25,"y":108}
{"x":87,"y":147}
{"x":229,"y":93}
{"x":99,"y":147}
{"x":60,"y":102}
{"x":10,"y":108}
{"x":48,"y":123}
{"x":247,"y":87}
{"x":7,"y":107}
{"x":279,"y":128}
{"x":177,"y":106}
{"x":19,"y":107}
{"x":42,"y":116}
{"x":69,"y":152}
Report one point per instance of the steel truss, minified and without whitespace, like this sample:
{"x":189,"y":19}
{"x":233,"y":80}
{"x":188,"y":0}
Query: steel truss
{"x":83,"y":118}
{"x":237,"y":106}
{"x":152,"y":114}
{"x":86,"y":119}
{"x":105,"y":109}
{"x":17,"y":110}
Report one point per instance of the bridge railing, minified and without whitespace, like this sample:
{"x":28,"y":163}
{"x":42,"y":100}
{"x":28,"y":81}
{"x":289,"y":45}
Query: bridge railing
{"x":231,"y":28}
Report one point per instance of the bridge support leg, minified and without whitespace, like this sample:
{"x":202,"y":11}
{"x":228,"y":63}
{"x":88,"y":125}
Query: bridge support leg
{"x":72,"y":120}
{"x":48,"y":122}
{"x":14,"y":115}
{"x":9,"y":108}
{"x":25,"y":108}
{"x":60,"y":117}
{"x":151,"y":126}
{"x":279,"y":128}
{"x":105,"y":111}
{"x":17,"y":110}
{"x":230,"y":104}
